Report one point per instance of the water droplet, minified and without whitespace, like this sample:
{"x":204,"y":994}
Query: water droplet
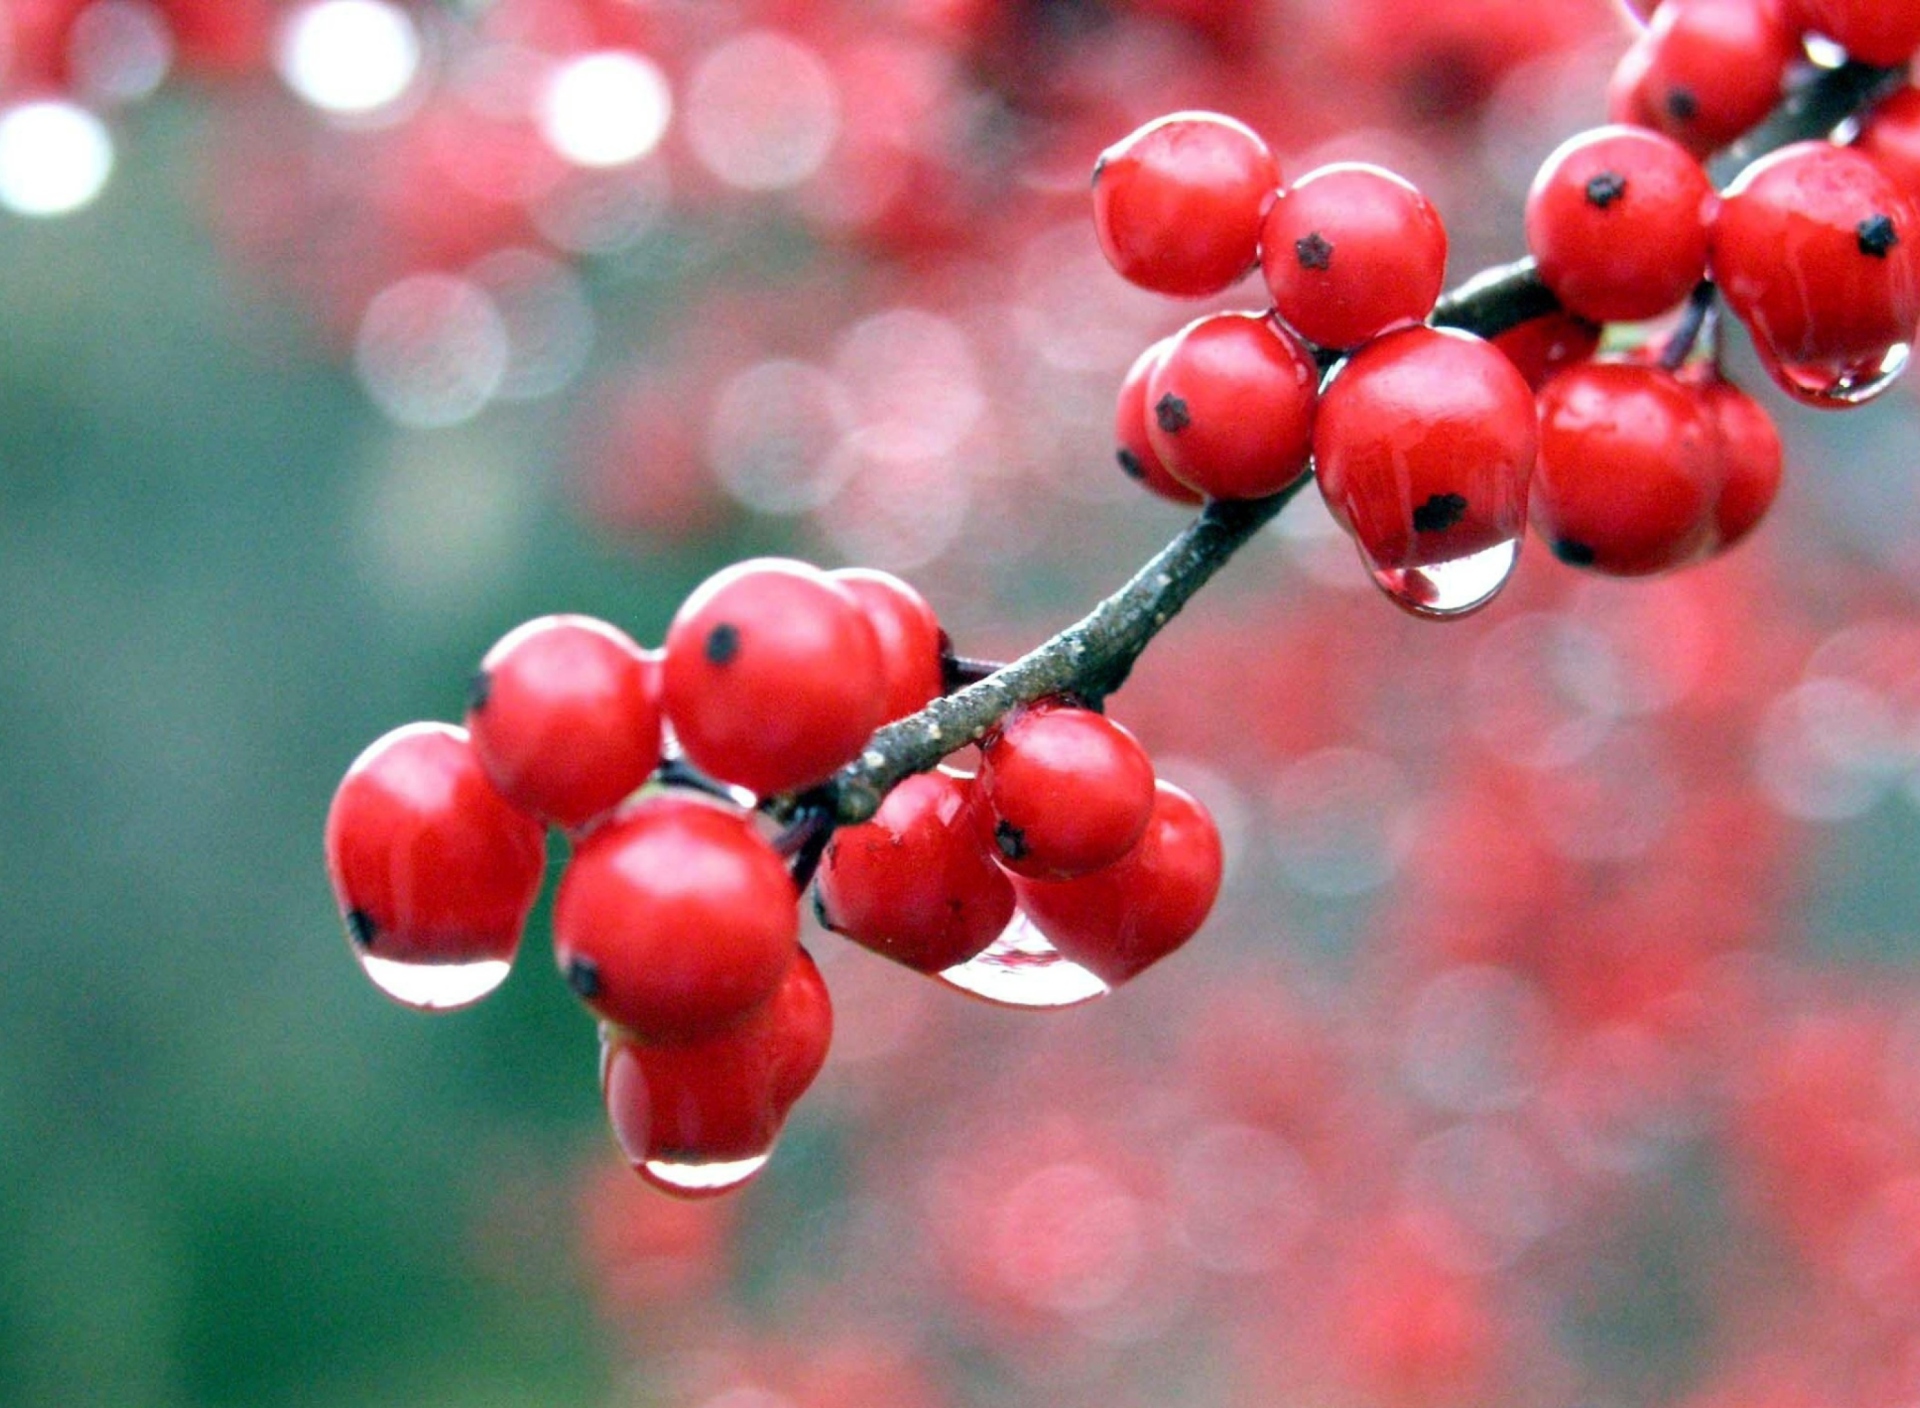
{"x":435,"y":987}
{"x":1452,"y":587}
{"x":1837,"y":386}
{"x":1022,"y":969}
{"x":695,"y":1178}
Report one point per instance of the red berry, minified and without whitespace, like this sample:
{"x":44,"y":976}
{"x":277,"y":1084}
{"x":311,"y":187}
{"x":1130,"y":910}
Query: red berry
{"x":565,"y":715}
{"x":773,"y":677}
{"x":1138,"y":459}
{"x":1423,"y":448}
{"x":1067,"y":791}
{"x":1540,"y":347}
{"x":698,"y":1117}
{"x":915,"y":884}
{"x":1629,"y":469}
{"x":675,"y":918}
{"x":1891,"y":136}
{"x":1617,"y":220}
{"x":1230,"y":406}
{"x":1117,"y":921}
{"x":1177,"y":204}
{"x":1884,"y":32}
{"x":1818,"y":251}
{"x":908,"y":633}
{"x":1705,"y":71}
{"x":430,"y":866}
{"x":1350,"y":250}
{"x":1751,"y":461}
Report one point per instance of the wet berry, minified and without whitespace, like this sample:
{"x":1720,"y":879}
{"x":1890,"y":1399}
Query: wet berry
{"x":675,"y":919}
{"x":1177,"y":204}
{"x":699,"y":1117}
{"x":1818,"y":252}
{"x":1120,"y":920}
{"x":1230,"y":406}
{"x":1350,"y":250}
{"x":565,"y":716}
{"x":1423,"y":447}
{"x":1629,"y":469}
{"x":774,"y":676}
{"x":908,"y":633}
{"x":916,"y":883}
{"x":1617,"y":221}
{"x":1704,"y":71}
{"x":431,"y":867}
{"x":1066,"y":790}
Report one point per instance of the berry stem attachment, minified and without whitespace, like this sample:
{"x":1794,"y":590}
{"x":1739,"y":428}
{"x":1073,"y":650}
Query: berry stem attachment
{"x":1686,"y":333}
{"x":1089,"y":659}
{"x":958,"y":671}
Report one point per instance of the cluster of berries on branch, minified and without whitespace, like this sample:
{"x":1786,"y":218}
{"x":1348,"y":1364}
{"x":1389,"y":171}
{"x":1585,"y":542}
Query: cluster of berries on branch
{"x":705,"y":787}
{"x":1432,"y":446}
{"x":677,"y":920}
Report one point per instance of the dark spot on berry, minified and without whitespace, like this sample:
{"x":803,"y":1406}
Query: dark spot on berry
{"x":478,"y":689}
{"x":1877,"y":235}
{"x":1606,"y":188}
{"x":1313,"y":251}
{"x":1130,"y":464}
{"x":1439,"y":513}
{"x":1682,"y":105}
{"x":361,"y":928}
{"x":1011,"y":840}
{"x":1099,"y":165}
{"x":1172,"y":414}
{"x":583,"y":976}
{"x":1572,"y":553}
{"x":723,"y":643}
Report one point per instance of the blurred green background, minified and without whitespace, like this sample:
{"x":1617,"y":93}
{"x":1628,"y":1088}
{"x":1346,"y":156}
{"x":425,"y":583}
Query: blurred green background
{"x":230,"y":1174}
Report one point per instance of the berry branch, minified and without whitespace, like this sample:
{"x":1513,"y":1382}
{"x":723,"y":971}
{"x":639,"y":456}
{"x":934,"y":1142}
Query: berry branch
{"x":1092,"y":658}
{"x":1088,"y":660}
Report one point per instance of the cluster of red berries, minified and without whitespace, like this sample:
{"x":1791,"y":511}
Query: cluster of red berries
{"x":1433,"y":447}
{"x":677,"y":920}
{"x":1065,"y":824}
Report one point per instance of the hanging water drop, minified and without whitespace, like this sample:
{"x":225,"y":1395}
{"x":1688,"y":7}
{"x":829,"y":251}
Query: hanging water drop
{"x":435,"y":987}
{"x":1451,"y":587}
{"x":696,"y":1178}
{"x":1838,"y":386}
{"x":1022,"y":969}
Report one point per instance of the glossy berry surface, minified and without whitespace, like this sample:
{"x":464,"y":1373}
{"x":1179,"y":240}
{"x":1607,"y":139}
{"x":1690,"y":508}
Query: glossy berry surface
{"x":1423,"y":448}
{"x":1349,"y":251}
{"x":675,"y":919}
{"x":1230,"y":406}
{"x":1704,"y":71}
{"x":1118,"y":921}
{"x":908,"y":633}
{"x":1540,"y":347}
{"x":1617,"y":222}
{"x":676,"y":1107}
{"x":1067,"y":791}
{"x":916,"y":883}
{"x":1752,"y":461}
{"x":1884,"y":32}
{"x":1891,"y":136}
{"x":1818,"y":252}
{"x":773,"y":676}
{"x":430,"y":865}
{"x":1177,"y":203}
{"x":1629,"y":469}
{"x":565,"y":716}
{"x":1133,"y":446}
